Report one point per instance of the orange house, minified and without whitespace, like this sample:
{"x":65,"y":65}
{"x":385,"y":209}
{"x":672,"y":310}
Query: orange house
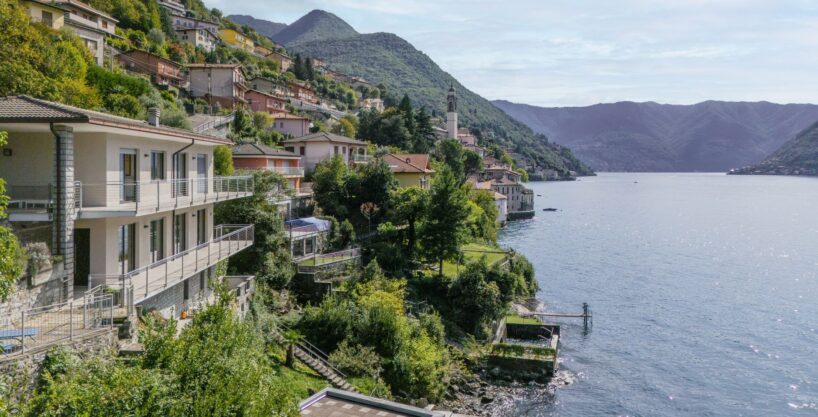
{"x":264,"y":102}
{"x":258,"y":156}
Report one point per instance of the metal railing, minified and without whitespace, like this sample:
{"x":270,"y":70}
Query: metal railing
{"x":51,"y":324}
{"x":163,"y":194}
{"x":328,"y":261}
{"x":361,"y":158}
{"x":214,"y":123}
{"x":145,"y":282}
{"x":293,"y":171}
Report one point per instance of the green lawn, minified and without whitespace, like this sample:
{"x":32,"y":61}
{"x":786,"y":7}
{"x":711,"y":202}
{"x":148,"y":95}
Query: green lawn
{"x":472,"y":253}
{"x":514,"y":319}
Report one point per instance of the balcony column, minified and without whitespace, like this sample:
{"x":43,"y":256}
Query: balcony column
{"x":64,"y":205}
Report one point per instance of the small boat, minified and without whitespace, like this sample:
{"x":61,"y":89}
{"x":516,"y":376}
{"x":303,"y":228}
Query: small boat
{"x":549,"y":209}
{"x":539,"y":195}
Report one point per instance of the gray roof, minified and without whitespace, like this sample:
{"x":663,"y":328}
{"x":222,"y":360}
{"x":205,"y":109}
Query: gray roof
{"x":25,"y":109}
{"x":332,"y":402}
{"x":257,"y":149}
{"x":325,"y":137}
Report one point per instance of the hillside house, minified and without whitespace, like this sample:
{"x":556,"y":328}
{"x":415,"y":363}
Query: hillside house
{"x":129,"y":203}
{"x":261,"y":51}
{"x":198,"y":37}
{"x":411,"y":170}
{"x":185,"y":22}
{"x":268,"y":86}
{"x":264,"y":102}
{"x":174,"y":7}
{"x":320,"y":146}
{"x":372,"y":103}
{"x":284,"y":60}
{"x":90,"y":24}
{"x":45,"y":12}
{"x":302,"y":91}
{"x":258,"y":156}
{"x":218,"y":83}
{"x":291,"y":125}
{"x":237,"y":39}
{"x":160,"y":70}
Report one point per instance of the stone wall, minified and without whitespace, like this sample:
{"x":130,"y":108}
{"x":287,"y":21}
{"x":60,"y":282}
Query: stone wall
{"x":44,"y":289}
{"x":171,"y":302}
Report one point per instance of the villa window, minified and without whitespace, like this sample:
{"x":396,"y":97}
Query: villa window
{"x":157,"y":165}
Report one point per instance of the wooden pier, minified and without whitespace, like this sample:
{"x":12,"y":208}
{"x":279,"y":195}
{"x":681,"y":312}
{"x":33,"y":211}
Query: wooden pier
{"x":586,"y":315}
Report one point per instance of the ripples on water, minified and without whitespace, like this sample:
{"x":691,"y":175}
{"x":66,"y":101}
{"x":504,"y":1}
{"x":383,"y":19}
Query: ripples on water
{"x":704,"y":289}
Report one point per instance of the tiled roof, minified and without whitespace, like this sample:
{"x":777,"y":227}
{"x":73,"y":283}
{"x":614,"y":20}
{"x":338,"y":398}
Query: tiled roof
{"x":256,"y":149}
{"x":408,"y":162}
{"x":326,"y":137}
{"x":88,"y":8}
{"x":25,"y":109}
{"x":213,"y":65}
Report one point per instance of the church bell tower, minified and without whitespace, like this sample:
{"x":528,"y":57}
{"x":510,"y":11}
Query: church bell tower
{"x":451,"y":114}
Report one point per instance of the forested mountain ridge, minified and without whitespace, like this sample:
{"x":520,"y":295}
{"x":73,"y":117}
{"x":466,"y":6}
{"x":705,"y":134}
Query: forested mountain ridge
{"x":387,"y":59}
{"x":798,"y":156}
{"x":709,"y":136}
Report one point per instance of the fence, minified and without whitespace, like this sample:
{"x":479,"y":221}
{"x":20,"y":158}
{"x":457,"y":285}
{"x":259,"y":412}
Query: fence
{"x":214,"y":123}
{"x":143,"y":283}
{"x":48,"y":325}
{"x":328,"y":261}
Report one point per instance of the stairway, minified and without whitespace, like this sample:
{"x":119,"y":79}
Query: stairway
{"x":315,"y":359}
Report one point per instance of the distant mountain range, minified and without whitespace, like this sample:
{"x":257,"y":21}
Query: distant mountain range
{"x":385,"y":58}
{"x":799,"y":156}
{"x":712,"y":136}
{"x":264,"y":27}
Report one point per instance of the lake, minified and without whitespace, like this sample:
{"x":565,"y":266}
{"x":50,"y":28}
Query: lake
{"x":704,"y":290}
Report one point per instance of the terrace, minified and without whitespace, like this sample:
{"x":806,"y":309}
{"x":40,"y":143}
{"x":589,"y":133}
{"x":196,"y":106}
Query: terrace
{"x":329,"y":261}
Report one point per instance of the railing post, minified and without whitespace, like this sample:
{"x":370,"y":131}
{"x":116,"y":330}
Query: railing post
{"x":22,"y":331}
{"x":182,"y":275}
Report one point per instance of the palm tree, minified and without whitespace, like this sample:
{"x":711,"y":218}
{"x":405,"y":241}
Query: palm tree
{"x":291,"y":338}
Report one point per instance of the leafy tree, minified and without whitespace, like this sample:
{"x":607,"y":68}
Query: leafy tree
{"x":408,"y":206}
{"x":371,"y":183}
{"x":475,"y":301}
{"x":523,"y":174}
{"x":450,"y":152}
{"x":346,"y":126}
{"x":443,"y":230}
{"x":329,"y":186}
{"x":424,"y":136}
{"x":472,"y":162}
{"x":10,"y":251}
{"x":482,"y":220}
{"x":223,"y":161}
{"x":405,"y":108}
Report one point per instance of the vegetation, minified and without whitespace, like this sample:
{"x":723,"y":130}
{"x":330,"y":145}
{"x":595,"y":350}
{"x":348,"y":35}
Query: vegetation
{"x":10,"y":252}
{"x":534,"y":352}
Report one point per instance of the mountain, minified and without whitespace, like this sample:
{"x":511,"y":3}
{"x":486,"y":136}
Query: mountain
{"x":385,"y":58}
{"x":316,"y":25}
{"x":264,"y":27}
{"x":712,"y":136}
{"x":798,"y":156}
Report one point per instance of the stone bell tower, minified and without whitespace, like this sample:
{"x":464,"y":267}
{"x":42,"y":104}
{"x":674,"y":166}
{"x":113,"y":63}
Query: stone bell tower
{"x":451,"y":114}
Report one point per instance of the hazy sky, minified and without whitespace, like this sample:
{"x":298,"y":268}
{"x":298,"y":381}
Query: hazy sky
{"x":580,"y":52}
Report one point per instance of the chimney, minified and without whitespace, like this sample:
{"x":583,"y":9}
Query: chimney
{"x":153,"y":116}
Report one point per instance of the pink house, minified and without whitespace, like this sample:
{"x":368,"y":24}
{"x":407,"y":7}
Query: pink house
{"x":290,"y":124}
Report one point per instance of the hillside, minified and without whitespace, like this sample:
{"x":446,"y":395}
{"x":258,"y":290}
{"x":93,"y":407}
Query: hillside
{"x":385,"y":58}
{"x":798,"y":156}
{"x":710,"y":136}
{"x":264,"y":27}
{"x":316,"y":25}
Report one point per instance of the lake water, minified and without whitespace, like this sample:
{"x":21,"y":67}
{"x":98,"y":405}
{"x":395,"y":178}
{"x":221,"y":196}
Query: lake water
{"x":704,"y":289}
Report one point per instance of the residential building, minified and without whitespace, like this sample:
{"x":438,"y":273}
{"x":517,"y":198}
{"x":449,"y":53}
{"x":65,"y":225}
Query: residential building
{"x":237,"y":39}
{"x":280,"y":161}
{"x":411,"y":170}
{"x":262,"y":51}
{"x":465,"y":137}
{"x":291,"y":125}
{"x":331,"y":402}
{"x":174,"y":7}
{"x":284,"y":60}
{"x":317,"y":147}
{"x":502,"y":207}
{"x":264,"y":102}
{"x":372,"y":103}
{"x":129,"y":203}
{"x":86,"y":15}
{"x":220,"y":83}
{"x":161,"y":71}
{"x":185,"y":22}
{"x":520,"y":203}
{"x":45,"y":12}
{"x":90,"y":24}
{"x":268,"y":86}
{"x":302,"y":91}
{"x":307,"y":236}
{"x":198,"y":37}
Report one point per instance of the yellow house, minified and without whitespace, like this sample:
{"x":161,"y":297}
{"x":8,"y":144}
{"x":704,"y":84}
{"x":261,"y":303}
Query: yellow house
{"x":237,"y":39}
{"x":45,"y":13}
{"x":410,"y":169}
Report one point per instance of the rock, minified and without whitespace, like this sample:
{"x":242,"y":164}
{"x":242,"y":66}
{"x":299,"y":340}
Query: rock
{"x":495,"y":372}
{"x":485,"y":399}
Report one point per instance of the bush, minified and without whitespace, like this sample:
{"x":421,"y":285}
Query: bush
{"x":356,"y":360}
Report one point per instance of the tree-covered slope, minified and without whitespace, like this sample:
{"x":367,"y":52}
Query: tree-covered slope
{"x":799,"y":156}
{"x":385,"y":58}
{"x":316,"y":25}
{"x":264,"y":27}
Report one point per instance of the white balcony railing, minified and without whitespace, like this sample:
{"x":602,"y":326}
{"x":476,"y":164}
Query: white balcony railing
{"x":288,"y":171}
{"x":147,"y":281}
{"x":359,"y":158}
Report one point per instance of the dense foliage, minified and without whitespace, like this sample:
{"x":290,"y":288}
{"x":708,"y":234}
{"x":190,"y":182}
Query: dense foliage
{"x":10,"y":251}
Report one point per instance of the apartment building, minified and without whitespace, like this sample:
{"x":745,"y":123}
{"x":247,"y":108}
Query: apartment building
{"x":237,"y":39}
{"x":219,"y":83}
{"x":265,"y":102}
{"x":90,"y":24}
{"x":317,"y":147}
{"x":185,"y":22}
{"x":161,"y":71}
{"x":259,"y":156}
{"x":198,"y":37}
{"x":129,"y":202}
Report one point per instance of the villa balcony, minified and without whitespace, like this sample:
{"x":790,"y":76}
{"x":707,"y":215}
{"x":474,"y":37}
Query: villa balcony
{"x":148,"y":281}
{"x":288,"y":171}
{"x":361,"y":159}
{"x":127,"y":199}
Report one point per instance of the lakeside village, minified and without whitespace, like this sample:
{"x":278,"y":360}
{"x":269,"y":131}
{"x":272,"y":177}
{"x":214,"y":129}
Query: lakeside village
{"x":268,"y":237}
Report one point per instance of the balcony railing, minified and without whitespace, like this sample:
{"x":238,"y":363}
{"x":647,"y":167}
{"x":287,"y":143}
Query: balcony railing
{"x":288,"y":171}
{"x":328,"y":261}
{"x":145,"y":282}
{"x":362,"y":159}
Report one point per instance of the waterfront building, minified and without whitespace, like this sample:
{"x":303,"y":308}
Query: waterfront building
{"x":317,"y":147}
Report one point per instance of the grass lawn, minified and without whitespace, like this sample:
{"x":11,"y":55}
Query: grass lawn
{"x":472,"y":253}
{"x":514,"y":319}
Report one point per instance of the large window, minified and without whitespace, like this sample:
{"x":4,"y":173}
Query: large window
{"x":157,"y":165}
{"x":179,"y":233}
{"x":157,"y":244}
{"x":201,"y":226}
{"x":127,"y":247}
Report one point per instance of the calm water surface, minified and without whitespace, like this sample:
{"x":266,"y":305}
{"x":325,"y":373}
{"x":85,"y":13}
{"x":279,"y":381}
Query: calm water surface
{"x":704,"y":289}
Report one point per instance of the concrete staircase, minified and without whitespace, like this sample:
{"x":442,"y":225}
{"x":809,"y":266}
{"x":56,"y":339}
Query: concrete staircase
{"x":318,"y":361}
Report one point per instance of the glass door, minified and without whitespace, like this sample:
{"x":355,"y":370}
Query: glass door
{"x":157,"y":240}
{"x":179,"y":233}
{"x":180,"y":185}
{"x":201,"y":226}
{"x":128,"y":174}
{"x":201,"y":173}
{"x":127,"y":248}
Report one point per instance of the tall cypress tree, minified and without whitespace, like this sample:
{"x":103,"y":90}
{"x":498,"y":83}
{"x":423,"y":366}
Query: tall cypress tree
{"x":443,"y":230}
{"x":309,"y":71}
{"x":405,"y":108}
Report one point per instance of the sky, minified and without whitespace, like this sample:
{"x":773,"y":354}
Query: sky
{"x":582,"y":52}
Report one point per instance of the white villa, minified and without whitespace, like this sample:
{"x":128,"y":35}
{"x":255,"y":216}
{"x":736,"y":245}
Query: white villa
{"x":319,"y":146}
{"x":129,"y":203}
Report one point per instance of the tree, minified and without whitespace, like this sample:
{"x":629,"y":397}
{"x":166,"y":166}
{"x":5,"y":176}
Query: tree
{"x":309,"y":71}
{"x":10,"y":251}
{"x":291,"y":338}
{"x":223,"y":161}
{"x":408,"y":205}
{"x":405,"y":108}
{"x":475,"y":300}
{"x":472,"y":162}
{"x":329,"y":188}
{"x":345,"y":127}
{"x":443,"y":230}
{"x":483,"y":218}
{"x":450,"y":152}
{"x":424,"y":136}
{"x":371,"y":183}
